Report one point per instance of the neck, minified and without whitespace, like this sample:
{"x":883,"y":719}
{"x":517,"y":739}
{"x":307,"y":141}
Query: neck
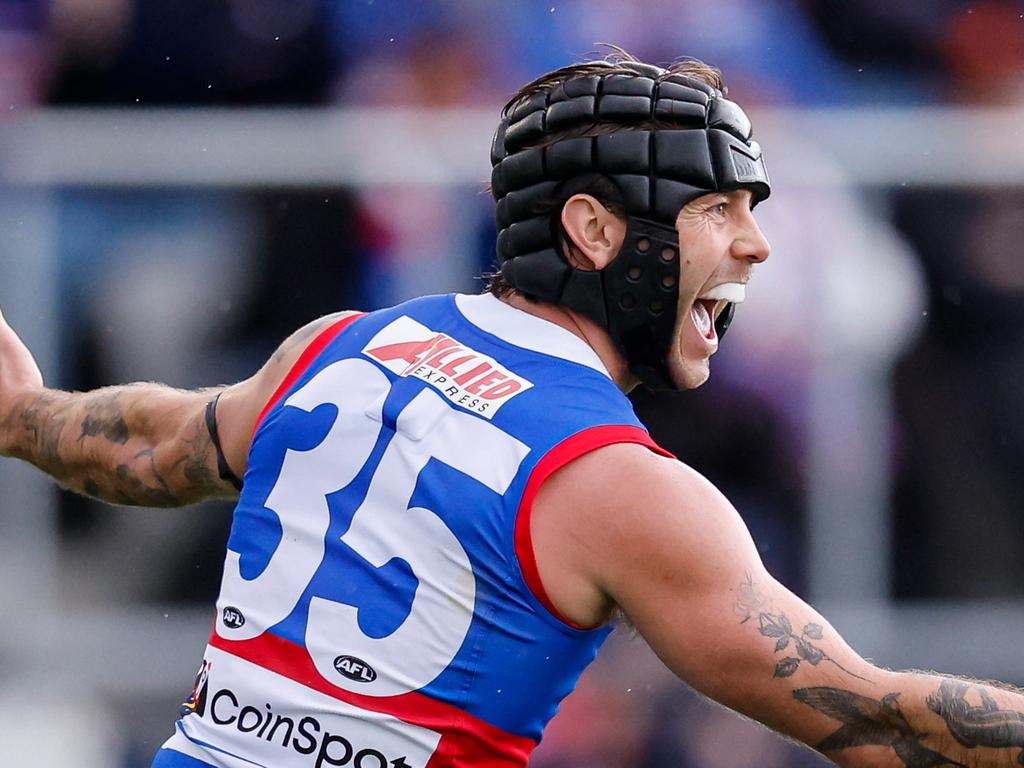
{"x":579,"y":325}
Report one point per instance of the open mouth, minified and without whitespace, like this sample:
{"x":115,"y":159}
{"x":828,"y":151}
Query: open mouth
{"x":709,"y":305}
{"x":703,"y":314}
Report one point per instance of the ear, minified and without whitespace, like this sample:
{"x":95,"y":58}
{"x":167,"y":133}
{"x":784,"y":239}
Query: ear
{"x":595,"y":234}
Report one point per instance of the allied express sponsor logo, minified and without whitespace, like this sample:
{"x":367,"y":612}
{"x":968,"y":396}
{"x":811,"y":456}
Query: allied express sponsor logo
{"x":466,"y":377}
{"x":306,"y":735}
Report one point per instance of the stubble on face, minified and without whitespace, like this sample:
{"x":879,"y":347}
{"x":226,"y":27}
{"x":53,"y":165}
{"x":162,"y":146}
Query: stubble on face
{"x":707,"y":228}
{"x":686,"y":372}
{"x":689,"y":370}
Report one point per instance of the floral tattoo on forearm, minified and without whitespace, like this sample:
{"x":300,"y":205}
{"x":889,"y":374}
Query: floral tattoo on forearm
{"x":776,"y":625}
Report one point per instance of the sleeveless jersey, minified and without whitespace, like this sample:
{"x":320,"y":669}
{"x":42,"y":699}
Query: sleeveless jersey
{"x":381,"y":606}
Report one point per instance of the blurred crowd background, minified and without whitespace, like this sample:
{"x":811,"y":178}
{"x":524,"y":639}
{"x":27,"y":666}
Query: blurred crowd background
{"x":918,"y":289}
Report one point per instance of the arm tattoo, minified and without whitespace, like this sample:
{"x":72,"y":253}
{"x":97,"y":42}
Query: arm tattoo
{"x":984,"y":725}
{"x":869,"y":721}
{"x":106,"y":420}
{"x":112,"y":445}
{"x":751,"y":602}
{"x":198,"y":457}
{"x":133,"y":489}
{"x":42,"y":423}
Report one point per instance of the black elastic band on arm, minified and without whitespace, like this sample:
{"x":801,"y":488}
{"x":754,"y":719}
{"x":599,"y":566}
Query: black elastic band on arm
{"x":222,"y":463}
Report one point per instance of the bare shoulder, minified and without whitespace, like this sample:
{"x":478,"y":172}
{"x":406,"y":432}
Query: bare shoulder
{"x":626,"y":483}
{"x":622,"y":517}
{"x":241,"y":404}
{"x":286,"y":355}
{"x":256,"y":390}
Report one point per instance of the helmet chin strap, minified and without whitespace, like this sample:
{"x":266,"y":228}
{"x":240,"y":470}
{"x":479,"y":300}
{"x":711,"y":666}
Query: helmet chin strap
{"x":642,"y":292}
{"x":641,"y":295}
{"x":635,"y":298}
{"x":656,"y":376}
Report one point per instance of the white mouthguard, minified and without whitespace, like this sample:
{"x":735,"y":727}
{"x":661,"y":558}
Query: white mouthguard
{"x":734,"y":292}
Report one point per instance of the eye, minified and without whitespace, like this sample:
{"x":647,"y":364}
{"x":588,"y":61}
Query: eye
{"x":720,"y":208}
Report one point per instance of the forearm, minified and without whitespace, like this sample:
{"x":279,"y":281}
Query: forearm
{"x":862,"y":716}
{"x":140,"y":444}
{"x":778,"y":661}
{"x":927,"y":720}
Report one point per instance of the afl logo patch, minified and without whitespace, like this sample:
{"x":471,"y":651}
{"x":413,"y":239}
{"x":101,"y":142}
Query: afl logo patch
{"x":355,"y":669}
{"x":233,"y":618}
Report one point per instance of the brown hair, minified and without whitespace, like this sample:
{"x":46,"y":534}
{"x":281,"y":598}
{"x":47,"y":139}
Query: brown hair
{"x":688,"y":67}
{"x":598,"y":186}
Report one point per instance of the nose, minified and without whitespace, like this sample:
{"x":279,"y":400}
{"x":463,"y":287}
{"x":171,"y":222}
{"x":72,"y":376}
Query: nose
{"x":750,"y":244}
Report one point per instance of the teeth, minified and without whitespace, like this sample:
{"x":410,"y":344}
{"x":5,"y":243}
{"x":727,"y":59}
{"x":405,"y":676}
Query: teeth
{"x":734,"y":292}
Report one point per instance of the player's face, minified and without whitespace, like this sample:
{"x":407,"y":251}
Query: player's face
{"x":719,"y":243}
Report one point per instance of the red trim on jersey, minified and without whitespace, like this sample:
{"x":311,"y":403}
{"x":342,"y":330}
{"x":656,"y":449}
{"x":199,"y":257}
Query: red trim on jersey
{"x":466,"y":741}
{"x":325,"y":337}
{"x":569,"y":449}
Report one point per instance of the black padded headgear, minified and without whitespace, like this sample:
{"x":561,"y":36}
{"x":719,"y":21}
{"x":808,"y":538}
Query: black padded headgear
{"x":702,"y":144}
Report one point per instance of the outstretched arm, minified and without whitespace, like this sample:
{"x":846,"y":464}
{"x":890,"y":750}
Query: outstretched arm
{"x":622,"y":527}
{"x":141,"y":444}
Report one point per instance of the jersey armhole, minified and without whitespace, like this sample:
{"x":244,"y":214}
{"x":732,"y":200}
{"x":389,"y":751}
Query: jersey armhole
{"x":566,"y":451}
{"x":309,"y":354}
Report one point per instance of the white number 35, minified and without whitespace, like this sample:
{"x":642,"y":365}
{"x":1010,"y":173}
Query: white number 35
{"x":383,"y":527}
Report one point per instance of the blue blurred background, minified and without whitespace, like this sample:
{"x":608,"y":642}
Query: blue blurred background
{"x":185,"y":182}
